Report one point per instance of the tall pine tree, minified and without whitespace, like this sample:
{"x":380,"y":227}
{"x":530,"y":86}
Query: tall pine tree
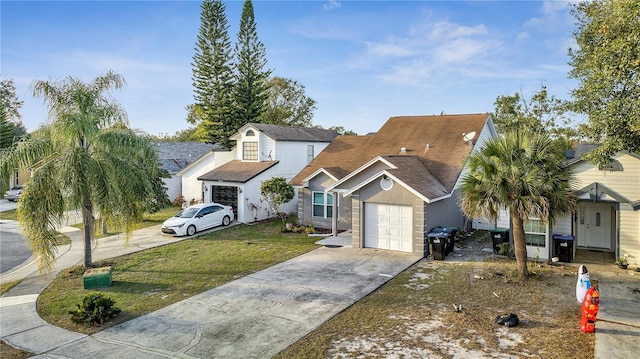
{"x":251,"y":83}
{"x":213,"y":77}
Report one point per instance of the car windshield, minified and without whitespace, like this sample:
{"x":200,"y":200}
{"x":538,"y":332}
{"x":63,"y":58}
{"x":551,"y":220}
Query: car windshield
{"x":187,"y":213}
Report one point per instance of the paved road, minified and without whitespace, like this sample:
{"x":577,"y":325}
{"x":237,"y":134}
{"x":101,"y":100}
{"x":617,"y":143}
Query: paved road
{"x":13,"y":250}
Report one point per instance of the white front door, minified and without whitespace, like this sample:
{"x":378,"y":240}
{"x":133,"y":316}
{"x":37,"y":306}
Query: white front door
{"x":594,"y":225}
{"x":388,"y":226}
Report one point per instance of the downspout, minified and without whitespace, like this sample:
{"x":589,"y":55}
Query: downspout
{"x":334,"y":218}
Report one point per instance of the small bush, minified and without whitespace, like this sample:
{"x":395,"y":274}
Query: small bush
{"x":178,"y":201}
{"x":95,"y":309}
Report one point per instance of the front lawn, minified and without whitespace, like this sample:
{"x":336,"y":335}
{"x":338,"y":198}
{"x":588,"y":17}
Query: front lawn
{"x":413,"y":316}
{"x":9,"y":215}
{"x":154,"y":278}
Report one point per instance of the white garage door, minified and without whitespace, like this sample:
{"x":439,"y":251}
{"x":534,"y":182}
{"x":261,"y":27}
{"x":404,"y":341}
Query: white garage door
{"x":388,"y":226}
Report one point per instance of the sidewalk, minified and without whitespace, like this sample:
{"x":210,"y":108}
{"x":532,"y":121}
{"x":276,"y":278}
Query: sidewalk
{"x":21,"y":326}
{"x":618,"y":320}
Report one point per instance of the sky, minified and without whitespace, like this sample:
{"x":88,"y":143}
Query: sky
{"x":362,"y":61}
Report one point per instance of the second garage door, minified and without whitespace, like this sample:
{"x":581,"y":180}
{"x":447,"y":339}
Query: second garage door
{"x":388,"y":226}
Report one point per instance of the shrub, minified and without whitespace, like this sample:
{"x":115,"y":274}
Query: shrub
{"x":178,"y":201}
{"x":95,"y":309}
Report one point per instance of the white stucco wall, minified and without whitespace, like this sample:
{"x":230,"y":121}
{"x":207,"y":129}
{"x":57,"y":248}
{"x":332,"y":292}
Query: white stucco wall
{"x":191,"y":186}
{"x":173,"y":185}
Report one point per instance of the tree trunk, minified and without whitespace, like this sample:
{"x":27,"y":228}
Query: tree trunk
{"x":87,"y":224}
{"x":520,"y":247}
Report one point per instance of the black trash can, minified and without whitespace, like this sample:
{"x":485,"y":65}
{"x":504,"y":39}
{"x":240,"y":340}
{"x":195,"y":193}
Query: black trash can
{"x":563,"y":247}
{"x":437,"y":244}
{"x":451,"y":233}
{"x":499,"y":236}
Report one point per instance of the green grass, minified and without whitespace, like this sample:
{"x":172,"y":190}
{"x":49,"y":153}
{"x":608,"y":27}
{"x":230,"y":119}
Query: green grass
{"x":5,"y":287}
{"x":9,"y":215}
{"x":154,"y":278}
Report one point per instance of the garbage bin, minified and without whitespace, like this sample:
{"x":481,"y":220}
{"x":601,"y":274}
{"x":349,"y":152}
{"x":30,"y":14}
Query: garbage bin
{"x":437,"y":243}
{"x":499,"y":236}
{"x":451,"y":233}
{"x":563,"y":247}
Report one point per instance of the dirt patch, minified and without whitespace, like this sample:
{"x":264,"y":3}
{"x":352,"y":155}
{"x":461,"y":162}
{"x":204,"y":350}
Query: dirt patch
{"x":446,"y":309}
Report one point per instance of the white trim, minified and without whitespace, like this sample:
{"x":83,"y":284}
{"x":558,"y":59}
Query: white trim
{"x":317,"y":172}
{"x":348,"y":192}
{"x":362,"y":168}
{"x":325,"y":205}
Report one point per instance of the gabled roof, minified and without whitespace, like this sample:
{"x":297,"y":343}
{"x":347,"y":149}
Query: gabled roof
{"x":409,"y":171}
{"x":583,"y":148}
{"x":442,"y":160}
{"x":599,"y":192}
{"x":290,"y":133}
{"x":237,"y":171}
{"x":175,"y":156}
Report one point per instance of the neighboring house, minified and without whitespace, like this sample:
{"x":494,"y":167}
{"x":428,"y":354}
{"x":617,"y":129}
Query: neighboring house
{"x":193,"y":190}
{"x":262,"y":152}
{"x":19,"y":177}
{"x":174,"y":157}
{"x":607,"y":219}
{"x":392,"y":187}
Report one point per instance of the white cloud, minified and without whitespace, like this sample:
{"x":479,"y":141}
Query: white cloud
{"x":445,"y":30}
{"x":331,"y":4}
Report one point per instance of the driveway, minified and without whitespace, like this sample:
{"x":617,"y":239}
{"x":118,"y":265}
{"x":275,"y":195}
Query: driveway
{"x":256,"y":316}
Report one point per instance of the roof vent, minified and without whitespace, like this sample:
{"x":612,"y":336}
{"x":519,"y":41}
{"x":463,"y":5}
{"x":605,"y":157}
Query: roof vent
{"x":403,"y":149}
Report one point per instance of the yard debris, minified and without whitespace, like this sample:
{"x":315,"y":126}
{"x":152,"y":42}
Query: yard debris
{"x":477,"y":276}
{"x":457,"y":308}
{"x":497,"y":296}
{"x":510,"y":320}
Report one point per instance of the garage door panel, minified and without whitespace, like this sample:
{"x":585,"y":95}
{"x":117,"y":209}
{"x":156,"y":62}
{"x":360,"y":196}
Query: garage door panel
{"x":388,"y":226}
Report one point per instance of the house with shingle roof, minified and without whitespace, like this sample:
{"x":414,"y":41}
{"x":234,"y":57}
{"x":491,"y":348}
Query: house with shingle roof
{"x":391,"y":187}
{"x":262,"y":152}
{"x":176,"y":156}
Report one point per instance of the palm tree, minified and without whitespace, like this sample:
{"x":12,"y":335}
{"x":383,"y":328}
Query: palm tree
{"x":524,"y":173}
{"x":85,"y":158}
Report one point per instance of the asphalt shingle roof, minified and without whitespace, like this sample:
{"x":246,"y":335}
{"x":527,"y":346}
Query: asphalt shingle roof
{"x":296,"y":133}
{"x":442,"y":160}
{"x":175,"y":156}
{"x":237,"y":171}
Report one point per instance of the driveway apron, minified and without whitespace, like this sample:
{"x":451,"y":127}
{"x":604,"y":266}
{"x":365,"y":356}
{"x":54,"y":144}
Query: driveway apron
{"x":256,"y":316}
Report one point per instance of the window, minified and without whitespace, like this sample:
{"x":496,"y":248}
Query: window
{"x":250,"y":133}
{"x":534,"y":233}
{"x":250,"y":151}
{"x":322,"y":205}
{"x":614,"y":165}
{"x":309,"y":153}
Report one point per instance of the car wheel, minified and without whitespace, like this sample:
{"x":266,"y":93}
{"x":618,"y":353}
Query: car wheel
{"x":191,"y":230}
{"x":226,"y":220}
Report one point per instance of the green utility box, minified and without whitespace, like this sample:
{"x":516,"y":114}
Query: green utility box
{"x":97,"y":277}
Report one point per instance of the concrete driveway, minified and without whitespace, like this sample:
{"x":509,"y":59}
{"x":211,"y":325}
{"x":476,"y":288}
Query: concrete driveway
{"x":256,"y":316}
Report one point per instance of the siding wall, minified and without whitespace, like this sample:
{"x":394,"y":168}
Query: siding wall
{"x":625,"y":183}
{"x":444,"y":213}
{"x":305,"y":204}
